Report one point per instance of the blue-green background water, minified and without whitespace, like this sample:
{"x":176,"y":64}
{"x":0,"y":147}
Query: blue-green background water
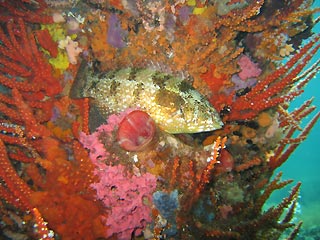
{"x":304,"y":163}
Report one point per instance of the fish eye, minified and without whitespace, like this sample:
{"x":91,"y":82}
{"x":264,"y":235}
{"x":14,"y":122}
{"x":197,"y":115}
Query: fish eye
{"x":225,"y":111}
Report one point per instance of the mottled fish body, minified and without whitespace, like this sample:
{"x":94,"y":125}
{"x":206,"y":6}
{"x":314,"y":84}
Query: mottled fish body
{"x":174,"y":105}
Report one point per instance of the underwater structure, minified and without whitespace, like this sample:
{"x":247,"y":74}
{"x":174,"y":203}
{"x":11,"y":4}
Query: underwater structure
{"x":151,"y":119}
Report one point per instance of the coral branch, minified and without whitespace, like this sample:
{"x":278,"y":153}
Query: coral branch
{"x":212,"y":160}
{"x":248,"y":164}
{"x":272,"y":186}
{"x":218,"y":234}
{"x":175,"y":166}
{"x":45,"y":40}
{"x":281,"y":155}
{"x":33,"y":128}
{"x":85,"y":117}
{"x":42,"y":230}
{"x":31,"y":11}
{"x":19,"y":54}
{"x":14,"y":185}
{"x":295,"y":231}
{"x":267,"y":93}
{"x":290,"y":214}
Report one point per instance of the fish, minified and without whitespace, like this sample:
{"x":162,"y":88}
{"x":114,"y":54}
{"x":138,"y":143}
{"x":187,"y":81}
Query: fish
{"x":174,"y":105}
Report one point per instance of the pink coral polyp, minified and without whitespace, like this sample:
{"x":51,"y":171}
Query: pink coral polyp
{"x":136,"y":131}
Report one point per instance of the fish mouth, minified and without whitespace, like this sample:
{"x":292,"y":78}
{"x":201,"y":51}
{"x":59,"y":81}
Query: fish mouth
{"x":217,"y":123}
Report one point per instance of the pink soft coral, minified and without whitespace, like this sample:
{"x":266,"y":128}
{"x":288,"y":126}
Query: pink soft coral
{"x":249,"y":69}
{"x":126,"y":198}
{"x":97,"y":149}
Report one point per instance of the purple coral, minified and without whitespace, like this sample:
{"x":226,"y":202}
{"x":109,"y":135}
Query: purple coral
{"x":239,"y":83}
{"x":126,"y":198}
{"x":116,"y":34}
{"x":184,"y":14}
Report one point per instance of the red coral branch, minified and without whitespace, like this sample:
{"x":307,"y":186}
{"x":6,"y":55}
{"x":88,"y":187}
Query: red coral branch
{"x":45,"y":40}
{"x":33,"y":128}
{"x":295,"y":231}
{"x":41,"y":226}
{"x":17,"y":188}
{"x":249,"y":164}
{"x":17,"y":193}
{"x":27,"y":72}
{"x":203,"y":177}
{"x":297,"y":115}
{"x":21,"y":58}
{"x":272,"y":186}
{"x":85,"y":119}
{"x":282,"y":154}
{"x":30,"y":11}
{"x":21,"y":157}
{"x":272,"y":90}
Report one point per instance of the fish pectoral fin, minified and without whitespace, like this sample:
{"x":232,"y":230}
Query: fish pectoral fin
{"x":96,"y":119}
{"x":80,"y":81}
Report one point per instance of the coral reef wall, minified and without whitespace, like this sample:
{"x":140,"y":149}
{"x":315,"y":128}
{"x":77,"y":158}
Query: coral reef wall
{"x":151,"y":119}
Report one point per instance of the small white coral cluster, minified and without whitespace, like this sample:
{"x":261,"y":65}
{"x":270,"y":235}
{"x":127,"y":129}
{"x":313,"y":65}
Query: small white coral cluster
{"x":286,"y":50}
